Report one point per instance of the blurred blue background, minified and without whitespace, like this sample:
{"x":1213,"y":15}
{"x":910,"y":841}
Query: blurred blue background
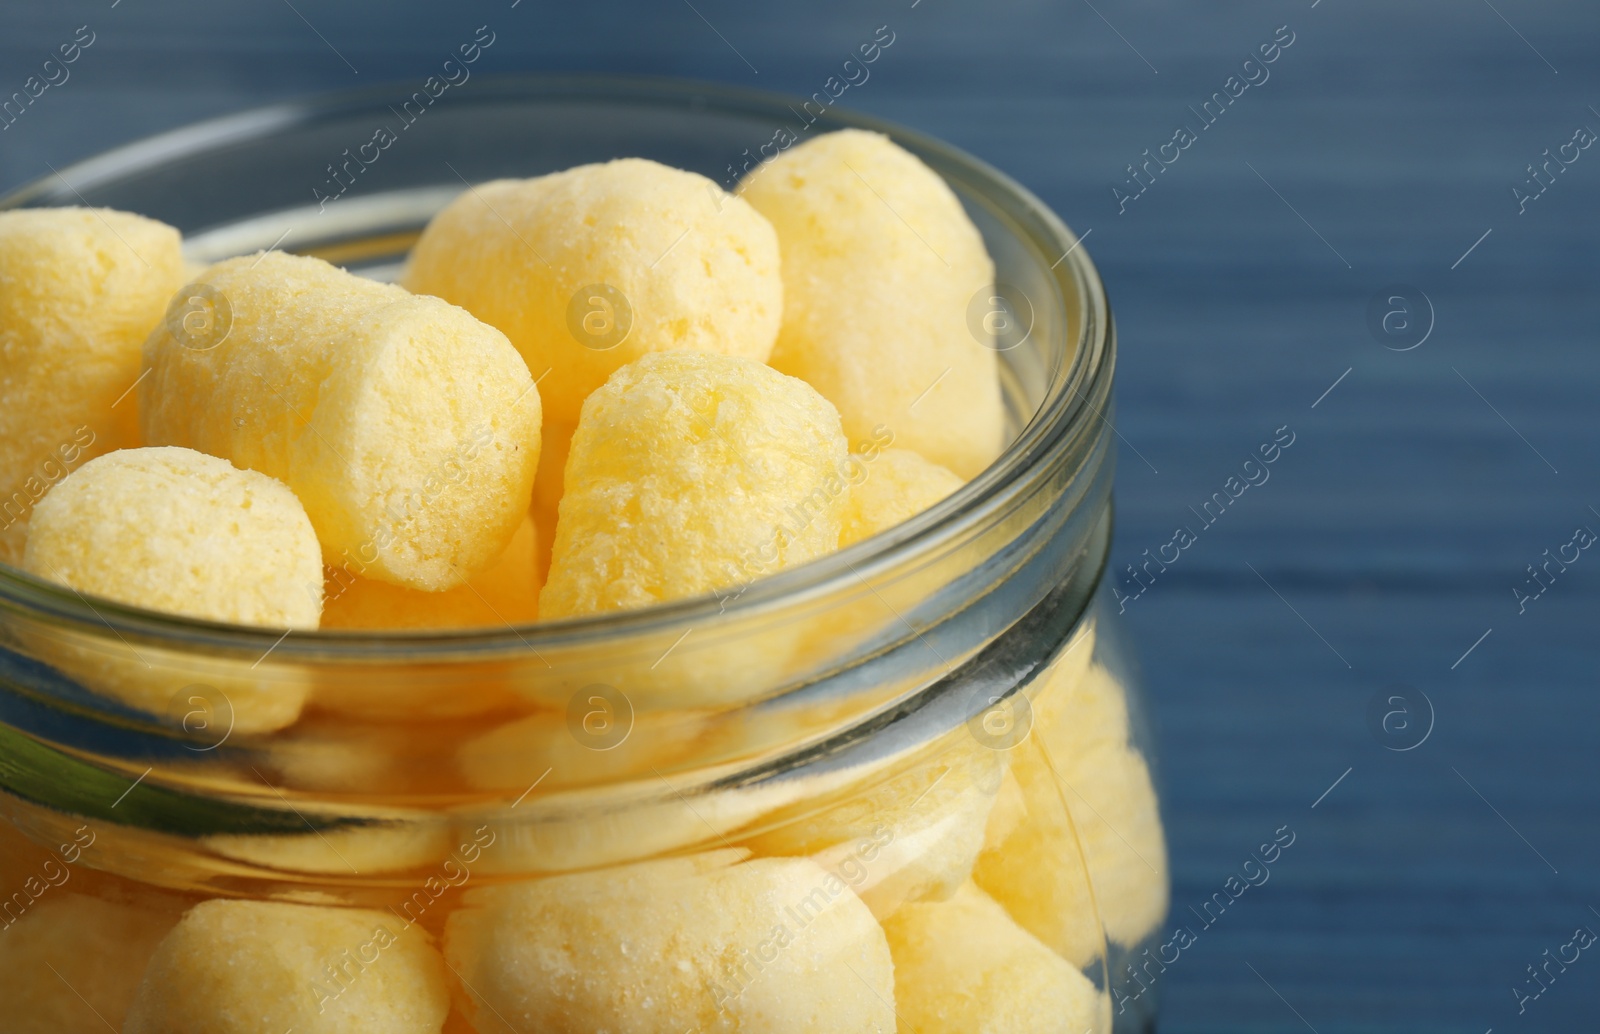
{"x":1385,"y":140}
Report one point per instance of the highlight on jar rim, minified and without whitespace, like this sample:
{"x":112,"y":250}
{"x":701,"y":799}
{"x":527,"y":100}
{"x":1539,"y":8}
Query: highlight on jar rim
{"x":634,"y":583}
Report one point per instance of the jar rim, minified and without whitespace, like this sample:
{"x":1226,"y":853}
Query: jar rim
{"x":1068,"y":406}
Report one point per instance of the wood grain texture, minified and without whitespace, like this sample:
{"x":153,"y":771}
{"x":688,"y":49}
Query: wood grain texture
{"x":1385,"y":142}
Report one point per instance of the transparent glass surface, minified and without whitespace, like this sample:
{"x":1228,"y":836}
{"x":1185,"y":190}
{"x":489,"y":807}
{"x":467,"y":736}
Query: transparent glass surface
{"x":905,"y":786}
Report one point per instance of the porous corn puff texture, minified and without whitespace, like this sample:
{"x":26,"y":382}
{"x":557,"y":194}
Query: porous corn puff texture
{"x":899,"y":484}
{"x":879,"y":264}
{"x":71,"y":963}
{"x":703,"y":943}
{"x":504,"y":593}
{"x":409,"y":430}
{"x":179,"y":531}
{"x":691,"y":472}
{"x":80,"y":289}
{"x":964,"y":965}
{"x":247,"y":967}
{"x":589,"y":269}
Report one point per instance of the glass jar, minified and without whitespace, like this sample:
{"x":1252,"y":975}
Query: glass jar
{"x":906,"y":785}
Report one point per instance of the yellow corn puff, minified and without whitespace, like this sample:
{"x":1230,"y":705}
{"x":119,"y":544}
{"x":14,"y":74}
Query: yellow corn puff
{"x":772,"y":945}
{"x":691,"y":472}
{"x":589,"y":269}
{"x":879,"y":264}
{"x":964,"y":965}
{"x":246,"y":967}
{"x":408,"y":429}
{"x":898,"y":485}
{"x":178,"y":531}
{"x":80,"y":289}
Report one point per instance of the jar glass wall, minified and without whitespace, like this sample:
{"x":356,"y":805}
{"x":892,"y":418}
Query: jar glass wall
{"x":900,"y":787}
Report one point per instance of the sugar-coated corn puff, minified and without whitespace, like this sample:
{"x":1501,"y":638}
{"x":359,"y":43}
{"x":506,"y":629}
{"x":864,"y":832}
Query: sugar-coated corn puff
{"x":879,"y":265}
{"x":709,"y":944}
{"x":692,"y":472}
{"x":899,"y":484}
{"x":175,"y":530}
{"x":409,"y":430}
{"x":248,"y":967}
{"x":80,"y":289}
{"x":179,"y":531}
{"x":965,"y":965}
{"x":588,"y":269}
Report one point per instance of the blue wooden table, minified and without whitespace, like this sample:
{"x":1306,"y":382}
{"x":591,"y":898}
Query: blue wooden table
{"x":1416,"y":551}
